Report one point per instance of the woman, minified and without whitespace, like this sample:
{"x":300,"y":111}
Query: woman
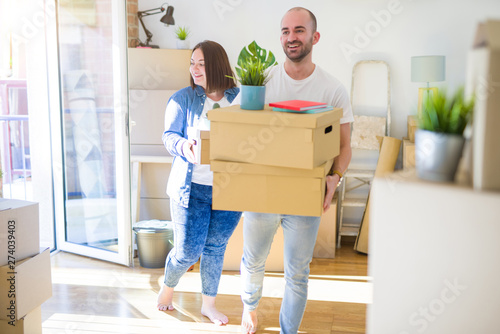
{"x":198,"y":230}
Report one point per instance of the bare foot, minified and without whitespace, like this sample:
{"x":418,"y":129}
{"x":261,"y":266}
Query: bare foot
{"x":165,"y":298}
{"x":249,"y":322}
{"x":209,"y":310}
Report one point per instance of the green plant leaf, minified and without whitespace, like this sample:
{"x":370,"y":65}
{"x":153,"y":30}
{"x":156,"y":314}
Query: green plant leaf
{"x":447,"y":115}
{"x":182,"y":33}
{"x":254,"y":64}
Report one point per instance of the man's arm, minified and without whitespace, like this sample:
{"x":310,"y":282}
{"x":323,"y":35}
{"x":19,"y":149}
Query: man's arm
{"x":340,"y":164}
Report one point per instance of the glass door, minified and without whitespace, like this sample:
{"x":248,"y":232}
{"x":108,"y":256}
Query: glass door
{"x":92,"y":51}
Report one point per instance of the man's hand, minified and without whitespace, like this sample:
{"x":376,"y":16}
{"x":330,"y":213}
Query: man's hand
{"x":187,"y":150}
{"x":331,"y":185}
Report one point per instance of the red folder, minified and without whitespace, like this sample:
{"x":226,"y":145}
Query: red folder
{"x":299,"y":105}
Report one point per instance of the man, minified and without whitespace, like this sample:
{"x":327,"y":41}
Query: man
{"x":297,"y":78}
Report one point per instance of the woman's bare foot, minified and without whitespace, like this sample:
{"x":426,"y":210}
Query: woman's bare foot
{"x":249,"y":322}
{"x":165,"y":298}
{"x":209,"y":310}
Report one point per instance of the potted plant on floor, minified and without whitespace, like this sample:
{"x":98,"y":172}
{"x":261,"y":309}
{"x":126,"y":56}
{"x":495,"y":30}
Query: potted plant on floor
{"x":182,"y":33}
{"x":254,"y":64}
{"x":439,"y":140}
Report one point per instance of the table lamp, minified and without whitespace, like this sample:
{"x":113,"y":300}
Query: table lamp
{"x":427,"y":69}
{"x":167,"y":19}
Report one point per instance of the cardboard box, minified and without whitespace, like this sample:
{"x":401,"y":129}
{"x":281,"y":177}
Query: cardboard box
{"x":204,"y":149}
{"x":30,"y":324}
{"x":202,"y":146}
{"x":19,"y":230}
{"x":25,"y":286}
{"x":388,"y":156}
{"x":326,"y":242}
{"x":268,"y":189}
{"x":483,"y":79}
{"x":273,"y":138}
{"x":412,"y":125}
{"x":408,"y":154}
{"x":234,"y":250}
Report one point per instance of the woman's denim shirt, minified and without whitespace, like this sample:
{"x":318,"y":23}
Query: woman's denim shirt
{"x":184,"y":109}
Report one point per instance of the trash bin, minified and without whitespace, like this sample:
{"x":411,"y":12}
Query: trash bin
{"x":154,"y":241}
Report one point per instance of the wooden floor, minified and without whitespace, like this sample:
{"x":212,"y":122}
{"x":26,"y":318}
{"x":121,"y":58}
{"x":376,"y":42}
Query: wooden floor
{"x":92,"y":296}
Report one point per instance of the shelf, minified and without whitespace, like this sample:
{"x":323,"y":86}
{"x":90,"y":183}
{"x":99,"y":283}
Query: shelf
{"x":362,"y":173}
{"x":354,"y":202}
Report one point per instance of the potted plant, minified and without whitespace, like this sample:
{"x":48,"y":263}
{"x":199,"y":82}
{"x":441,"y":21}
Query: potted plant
{"x":254,"y":64}
{"x":182,"y":33}
{"x":439,"y":139}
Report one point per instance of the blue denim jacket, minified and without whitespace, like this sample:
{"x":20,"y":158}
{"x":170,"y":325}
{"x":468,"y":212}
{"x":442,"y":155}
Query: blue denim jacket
{"x":184,"y":109}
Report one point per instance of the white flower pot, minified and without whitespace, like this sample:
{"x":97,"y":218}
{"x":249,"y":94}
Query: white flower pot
{"x":182,"y":44}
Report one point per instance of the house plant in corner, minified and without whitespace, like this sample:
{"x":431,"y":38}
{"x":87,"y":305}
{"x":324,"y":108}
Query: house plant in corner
{"x":439,"y":139}
{"x":254,"y":64}
{"x":182,"y":33}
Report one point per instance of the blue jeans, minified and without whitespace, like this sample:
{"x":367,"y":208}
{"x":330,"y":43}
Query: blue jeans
{"x":199,"y":231}
{"x":299,"y":234}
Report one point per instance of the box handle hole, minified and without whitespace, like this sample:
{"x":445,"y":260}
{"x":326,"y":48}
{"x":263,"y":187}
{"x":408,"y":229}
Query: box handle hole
{"x":328,"y":129}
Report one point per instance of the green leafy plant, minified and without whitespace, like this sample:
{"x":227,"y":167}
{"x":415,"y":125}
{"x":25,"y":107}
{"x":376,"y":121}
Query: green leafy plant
{"x":446,"y":114}
{"x":254,"y":64}
{"x":182,"y":33}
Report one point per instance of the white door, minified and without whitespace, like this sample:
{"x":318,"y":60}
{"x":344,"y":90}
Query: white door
{"x":92,"y":189}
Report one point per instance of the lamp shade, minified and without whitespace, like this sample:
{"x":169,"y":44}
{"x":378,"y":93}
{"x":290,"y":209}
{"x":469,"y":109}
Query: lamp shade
{"x":427,"y":68}
{"x":168,"y":18}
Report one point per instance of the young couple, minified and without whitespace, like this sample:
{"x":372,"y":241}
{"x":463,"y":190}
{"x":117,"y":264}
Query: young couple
{"x":201,"y":231}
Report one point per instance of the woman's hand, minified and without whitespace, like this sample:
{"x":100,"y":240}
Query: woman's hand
{"x":187,"y":150}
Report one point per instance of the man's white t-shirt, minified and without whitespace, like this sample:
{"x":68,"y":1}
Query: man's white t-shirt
{"x":320,"y":86}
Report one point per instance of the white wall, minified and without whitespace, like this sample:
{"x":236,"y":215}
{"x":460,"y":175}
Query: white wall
{"x":415,"y":27}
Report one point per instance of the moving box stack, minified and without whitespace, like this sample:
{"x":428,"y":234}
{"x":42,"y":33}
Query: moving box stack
{"x":272,"y":161}
{"x":25,"y":276}
{"x":409,"y":143}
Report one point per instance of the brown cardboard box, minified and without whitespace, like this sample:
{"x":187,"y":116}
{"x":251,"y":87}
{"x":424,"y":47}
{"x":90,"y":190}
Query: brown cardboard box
{"x":324,"y":249}
{"x":24,"y":286}
{"x":389,"y":151}
{"x":234,"y":250}
{"x":412,"y":127}
{"x":30,"y":324}
{"x":483,"y":78}
{"x":20,"y":233}
{"x":266,"y":137}
{"x":408,"y":154}
{"x":201,"y":148}
{"x":268,"y":189}
{"x":326,"y":242}
{"x":204,"y":147}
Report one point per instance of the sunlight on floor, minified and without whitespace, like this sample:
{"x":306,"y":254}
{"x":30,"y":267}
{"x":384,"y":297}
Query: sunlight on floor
{"x":76,"y":323}
{"x":321,"y":288}
{"x":97,"y":297}
{"x":94,"y":277}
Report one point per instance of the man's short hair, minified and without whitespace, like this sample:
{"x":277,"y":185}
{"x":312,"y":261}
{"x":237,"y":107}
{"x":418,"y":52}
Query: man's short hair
{"x":311,"y":15}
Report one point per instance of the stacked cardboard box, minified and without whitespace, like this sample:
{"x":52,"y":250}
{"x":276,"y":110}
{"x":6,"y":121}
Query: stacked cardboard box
{"x":272,"y":162}
{"x":483,"y":79}
{"x":201,"y":147}
{"x":408,"y":153}
{"x":25,"y":276}
{"x":409,"y":143}
{"x":412,"y":127}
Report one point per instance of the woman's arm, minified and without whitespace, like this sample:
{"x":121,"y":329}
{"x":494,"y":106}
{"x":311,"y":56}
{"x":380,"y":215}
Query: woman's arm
{"x":175,"y":117}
